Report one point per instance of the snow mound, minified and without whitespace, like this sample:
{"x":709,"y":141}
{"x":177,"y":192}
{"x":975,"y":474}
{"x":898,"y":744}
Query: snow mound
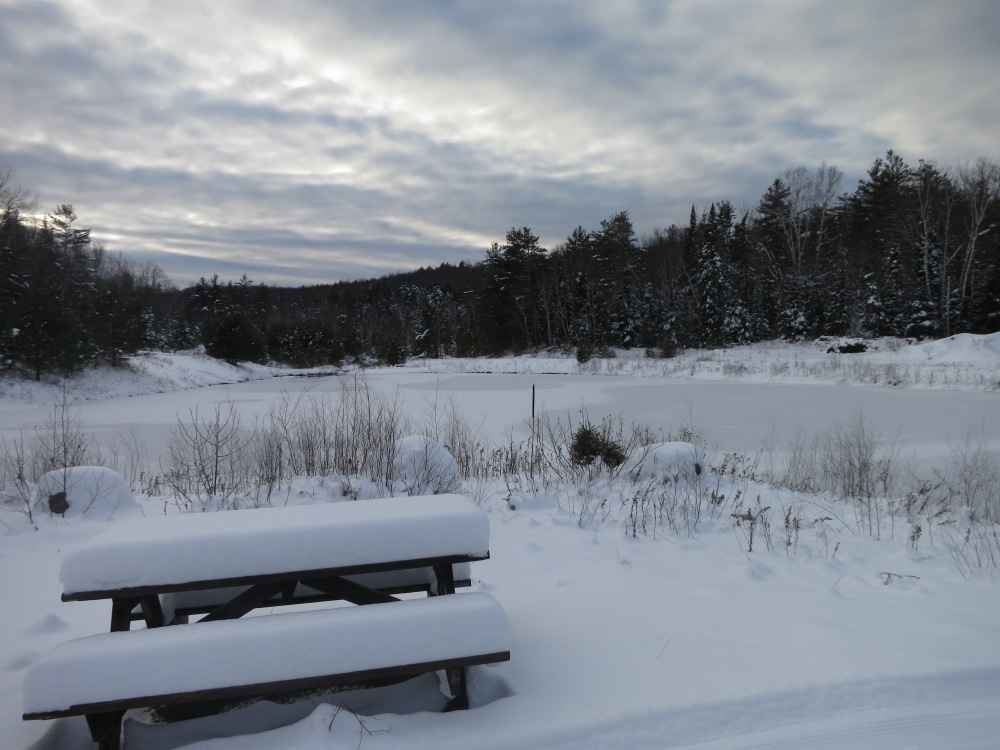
{"x":91,"y":491}
{"x":673,"y":461}
{"x":425,"y":466}
{"x":962,"y":347}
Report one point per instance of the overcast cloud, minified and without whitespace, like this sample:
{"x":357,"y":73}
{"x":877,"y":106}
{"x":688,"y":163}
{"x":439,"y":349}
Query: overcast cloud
{"x":309,"y":141}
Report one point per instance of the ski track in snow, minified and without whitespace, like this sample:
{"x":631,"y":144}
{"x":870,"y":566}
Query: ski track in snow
{"x":941,"y":711}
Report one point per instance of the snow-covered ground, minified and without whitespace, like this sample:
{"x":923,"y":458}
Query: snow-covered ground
{"x":665,"y":640}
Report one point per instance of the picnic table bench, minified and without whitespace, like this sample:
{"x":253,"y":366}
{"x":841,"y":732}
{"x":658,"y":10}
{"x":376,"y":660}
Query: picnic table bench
{"x":224,"y":565}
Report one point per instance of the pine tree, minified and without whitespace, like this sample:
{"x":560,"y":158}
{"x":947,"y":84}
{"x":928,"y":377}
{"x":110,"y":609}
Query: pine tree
{"x":234,"y":339}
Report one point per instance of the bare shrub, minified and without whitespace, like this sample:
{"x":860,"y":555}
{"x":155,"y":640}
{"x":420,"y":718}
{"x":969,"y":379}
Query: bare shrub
{"x":16,"y":487}
{"x":850,"y":461}
{"x":127,"y":455}
{"x":753,"y":524}
{"x":973,"y":471}
{"x":59,"y":442}
{"x":798,"y":470}
{"x":657,"y":505}
{"x":367,"y":425}
{"x":210,"y":459}
{"x":313,"y":440}
{"x":974,"y":547}
{"x":444,"y":423}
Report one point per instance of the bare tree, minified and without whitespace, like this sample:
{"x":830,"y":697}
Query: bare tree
{"x":980,"y":183}
{"x":810,"y":196}
{"x":13,"y":200}
{"x":930,"y":228}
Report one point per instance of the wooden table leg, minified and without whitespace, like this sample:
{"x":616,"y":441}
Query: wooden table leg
{"x":106,"y":729}
{"x":152,"y":612}
{"x":121,"y":612}
{"x":459,"y":690}
{"x":444,"y":580}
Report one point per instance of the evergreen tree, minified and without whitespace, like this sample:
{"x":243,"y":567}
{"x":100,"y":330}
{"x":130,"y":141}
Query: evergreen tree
{"x":713,"y":279}
{"x":512,"y":301}
{"x":234,"y":339}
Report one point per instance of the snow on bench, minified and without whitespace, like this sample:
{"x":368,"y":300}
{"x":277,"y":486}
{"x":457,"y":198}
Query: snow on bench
{"x":230,"y":547}
{"x":250,"y":657}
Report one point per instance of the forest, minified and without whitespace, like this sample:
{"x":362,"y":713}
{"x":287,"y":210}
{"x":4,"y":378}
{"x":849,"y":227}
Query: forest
{"x":913,"y":251}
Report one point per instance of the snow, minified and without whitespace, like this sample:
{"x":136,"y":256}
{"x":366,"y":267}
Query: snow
{"x":284,"y":646}
{"x":665,"y":641}
{"x":218,"y":546}
{"x":144,"y":373}
{"x":425,"y":466}
{"x":91,"y":491}
{"x":673,"y":461}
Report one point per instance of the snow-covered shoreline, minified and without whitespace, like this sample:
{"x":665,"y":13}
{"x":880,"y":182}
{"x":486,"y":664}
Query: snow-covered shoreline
{"x":962,"y":362}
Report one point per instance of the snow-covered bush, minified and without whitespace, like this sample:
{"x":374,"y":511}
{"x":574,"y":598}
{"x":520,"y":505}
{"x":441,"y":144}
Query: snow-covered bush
{"x":673,"y":461}
{"x":425,"y":466}
{"x":91,"y":491}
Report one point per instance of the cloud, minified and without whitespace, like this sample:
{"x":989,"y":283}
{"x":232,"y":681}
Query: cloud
{"x":341,"y":140}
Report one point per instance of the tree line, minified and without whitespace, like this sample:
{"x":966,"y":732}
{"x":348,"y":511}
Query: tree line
{"x":912,"y":251}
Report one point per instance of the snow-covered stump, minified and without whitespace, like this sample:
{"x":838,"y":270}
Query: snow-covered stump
{"x":670,"y":462}
{"x":91,"y":491}
{"x":425,"y":466}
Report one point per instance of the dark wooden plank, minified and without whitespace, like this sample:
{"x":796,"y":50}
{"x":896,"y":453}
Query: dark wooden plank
{"x":152,"y":612}
{"x":459,"y":692}
{"x":444,"y":580}
{"x":250,"y":580}
{"x":106,"y":729}
{"x":243,"y":602}
{"x":349,"y":591}
{"x":121,"y":612}
{"x":263,"y":689}
{"x":309,"y":598}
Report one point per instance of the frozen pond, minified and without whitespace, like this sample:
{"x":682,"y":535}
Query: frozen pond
{"x":733,"y":415}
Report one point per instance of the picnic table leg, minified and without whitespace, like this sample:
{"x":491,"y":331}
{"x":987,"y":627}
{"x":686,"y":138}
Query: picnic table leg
{"x":444,"y":580}
{"x":459,"y":691}
{"x":121,"y":612}
{"x":106,"y":729}
{"x":152,"y":612}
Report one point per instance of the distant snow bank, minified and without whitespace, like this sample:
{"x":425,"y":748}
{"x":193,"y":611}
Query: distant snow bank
{"x":144,"y":373}
{"x":961,"y":362}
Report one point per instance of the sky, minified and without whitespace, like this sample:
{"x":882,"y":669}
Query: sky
{"x":308,"y":142}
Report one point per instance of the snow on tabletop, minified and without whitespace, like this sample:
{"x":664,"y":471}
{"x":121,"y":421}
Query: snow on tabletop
{"x":256,"y":650}
{"x":230,"y":544}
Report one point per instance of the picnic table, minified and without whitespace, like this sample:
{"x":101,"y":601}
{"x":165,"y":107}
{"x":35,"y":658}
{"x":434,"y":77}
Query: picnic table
{"x":224,"y":565}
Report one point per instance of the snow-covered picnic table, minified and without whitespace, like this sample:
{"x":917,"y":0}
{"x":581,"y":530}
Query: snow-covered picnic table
{"x":227,"y":564}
